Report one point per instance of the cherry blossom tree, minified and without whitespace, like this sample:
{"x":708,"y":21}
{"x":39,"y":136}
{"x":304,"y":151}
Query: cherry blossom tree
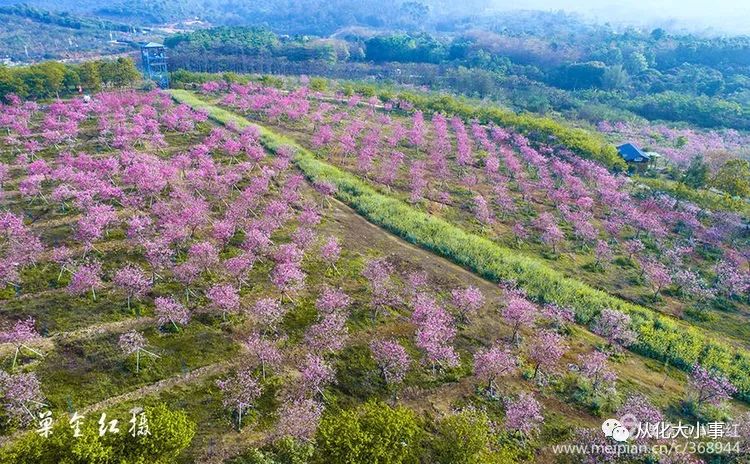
{"x":519,"y":232}
{"x":482,"y":210}
{"x":389,"y":168}
{"x":268,"y":312}
{"x":392,"y":360}
{"x":203,"y":256}
{"x":299,"y":419}
{"x":240,"y":392}
{"x":288,"y":277}
{"x":225,"y":298}
{"x":634,"y":248}
{"x":641,"y":411}
{"x":378,"y":273}
{"x":730,"y":279}
{"x":330,"y":252}
{"x":303,"y":237}
{"x":417,"y":132}
{"x":493,"y":363}
{"x":62,"y":256}
{"x":595,"y":368}
{"x":238,"y":266}
{"x":133,"y":342}
{"x":264,"y":352}
{"x":170,"y":311}
{"x":519,"y":312}
{"x":708,"y":387}
{"x":316,"y":374}
{"x":551,"y":234}
{"x":417,"y":180}
{"x":545,"y":350}
{"x":20,"y":335}
{"x":132,"y":281}
{"x":94,"y":223}
{"x":558,"y":316}
{"x":86,"y":278}
{"x":435,"y":332}
{"x":657,"y":274}
{"x":21,"y":396}
{"x":327,"y":335}
{"x":690,"y":284}
{"x":468,"y":301}
{"x":523,"y":414}
{"x":614,"y":326}
{"x":186,"y":274}
{"x":332,"y":300}
{"x":603,"y":253}
{"x":18,"y":247}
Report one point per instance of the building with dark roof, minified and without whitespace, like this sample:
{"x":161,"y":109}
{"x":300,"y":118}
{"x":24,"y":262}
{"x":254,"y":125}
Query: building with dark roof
{"x":632,"y":154}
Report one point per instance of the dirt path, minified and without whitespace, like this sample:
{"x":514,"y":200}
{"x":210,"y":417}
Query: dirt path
{"x":164,"y":384}
{"x":47,"y":344}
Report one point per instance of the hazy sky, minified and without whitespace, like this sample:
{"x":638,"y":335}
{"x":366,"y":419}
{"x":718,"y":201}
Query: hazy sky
{"x":729,"y":15}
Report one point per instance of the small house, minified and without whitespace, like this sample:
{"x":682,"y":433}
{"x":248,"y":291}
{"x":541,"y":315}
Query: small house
{"x":633,"y":154}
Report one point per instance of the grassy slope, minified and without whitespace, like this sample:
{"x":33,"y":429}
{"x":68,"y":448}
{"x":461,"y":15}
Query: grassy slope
{"x":87,"y":356}
{"x":81,"y":353}
{"x":726,"y":321}
{"x":660,"y":337}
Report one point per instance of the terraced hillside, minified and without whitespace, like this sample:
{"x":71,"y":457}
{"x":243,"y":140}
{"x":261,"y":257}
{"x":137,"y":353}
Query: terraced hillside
{"x":645,"y":247}
{"x":153,"y":257}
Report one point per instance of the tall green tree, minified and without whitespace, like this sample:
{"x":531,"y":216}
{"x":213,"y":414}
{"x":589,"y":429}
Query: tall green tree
{"x":121,"y":72}
{"x":91,"y":79}
{"x":465,"y":438}
{"x":696,"y":175}
{"x":11,"y":83}
{"x":43,"y":80}
{"x":614,"y":77}
{"x":170,"y":432}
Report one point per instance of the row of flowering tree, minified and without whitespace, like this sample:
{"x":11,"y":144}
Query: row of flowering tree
{"x":541,"y":193}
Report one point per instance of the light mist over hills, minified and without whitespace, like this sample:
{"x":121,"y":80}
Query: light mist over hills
{"x":717,"y":17}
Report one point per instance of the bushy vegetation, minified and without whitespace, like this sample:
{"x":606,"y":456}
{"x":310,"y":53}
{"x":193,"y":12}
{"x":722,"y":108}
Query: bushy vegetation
{"x":170,"y":433}
{"x":53,"y":79}
{"x":578,"y":69}
{"x":374,"y":432}
{"x":64,"y":20}
{"x":254,"y":41}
